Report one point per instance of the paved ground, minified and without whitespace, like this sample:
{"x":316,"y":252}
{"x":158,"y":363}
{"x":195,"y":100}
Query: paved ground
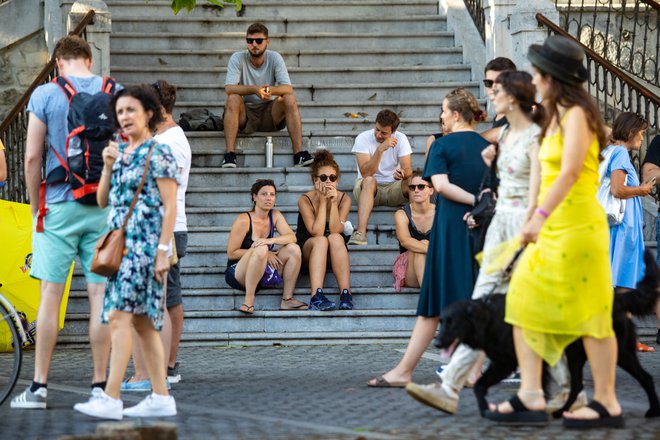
{"x":301,"y":392}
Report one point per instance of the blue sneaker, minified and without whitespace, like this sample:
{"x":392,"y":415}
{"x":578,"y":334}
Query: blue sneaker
{"x":139,"y":386}
{"x":320,"y":302}
{"x":345,"y":300}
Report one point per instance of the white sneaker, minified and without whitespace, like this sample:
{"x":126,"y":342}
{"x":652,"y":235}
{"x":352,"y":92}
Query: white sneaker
{"x":97,"y":391}
{"x":102,"y":406}
{"x":153,"y":405}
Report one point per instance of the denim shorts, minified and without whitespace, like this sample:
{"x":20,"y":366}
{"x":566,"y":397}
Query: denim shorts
{"x":70,"y":229}
{"x":230,"y":279}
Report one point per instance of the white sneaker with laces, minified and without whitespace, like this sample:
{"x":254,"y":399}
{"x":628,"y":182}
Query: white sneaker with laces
{"x":102,"y":406}
{"x":153,"y":405}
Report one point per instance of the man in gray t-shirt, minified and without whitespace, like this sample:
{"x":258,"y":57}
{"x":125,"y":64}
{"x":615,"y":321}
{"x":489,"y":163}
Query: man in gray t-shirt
{"x":260,"y":96}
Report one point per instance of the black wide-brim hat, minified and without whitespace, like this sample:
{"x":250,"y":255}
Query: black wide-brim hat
{"x":560,"y":57}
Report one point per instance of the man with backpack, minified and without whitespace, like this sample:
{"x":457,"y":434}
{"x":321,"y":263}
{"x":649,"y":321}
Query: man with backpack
{"x":69,"y":228}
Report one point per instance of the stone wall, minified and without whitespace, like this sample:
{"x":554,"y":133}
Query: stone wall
{"x":19,"y":65}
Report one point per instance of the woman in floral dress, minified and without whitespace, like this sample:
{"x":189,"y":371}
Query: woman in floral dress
{"x":134,"y":296}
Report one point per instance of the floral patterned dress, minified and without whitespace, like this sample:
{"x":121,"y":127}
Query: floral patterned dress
{"x":134,"y":288}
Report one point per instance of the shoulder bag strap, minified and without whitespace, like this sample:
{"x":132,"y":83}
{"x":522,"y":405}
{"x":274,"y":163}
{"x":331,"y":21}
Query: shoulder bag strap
{"x":140,"y":186}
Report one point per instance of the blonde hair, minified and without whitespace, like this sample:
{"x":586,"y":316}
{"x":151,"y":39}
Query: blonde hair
{"x":461,"y":101}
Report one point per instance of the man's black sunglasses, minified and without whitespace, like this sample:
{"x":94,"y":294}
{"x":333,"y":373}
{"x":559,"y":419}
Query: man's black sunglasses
{"x":488,"y":83}
{"x":252,"y":40}
{"x":324,"y":177}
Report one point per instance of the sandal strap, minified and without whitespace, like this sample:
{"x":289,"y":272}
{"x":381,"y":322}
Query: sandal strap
{"x":517,"y":404}
{"x":246,"y":306}
{"x":600,"y":409}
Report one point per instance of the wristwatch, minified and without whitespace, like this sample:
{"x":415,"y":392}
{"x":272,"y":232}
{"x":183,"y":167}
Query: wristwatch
{"x":163,"y":247}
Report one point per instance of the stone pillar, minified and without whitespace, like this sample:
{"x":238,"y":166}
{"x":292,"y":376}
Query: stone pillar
{"x":498,"y":27}
{"x":98,"y":34}
{"x":55,"y":12}
{"x":525,"y":30}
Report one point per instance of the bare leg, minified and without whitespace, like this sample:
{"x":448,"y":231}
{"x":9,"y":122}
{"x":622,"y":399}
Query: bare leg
{"x":122,"y":341}
{"x":250,"y":269}
{"x":602,"y":356}
{"x":315,"y":252}
{"x":291,"y":257}
{"x":340,"y":261}
{"x":286,"y":107}
{"x":48,"y":318}
{"x":420,"y":339}
{"x":99,"y":334}
{"x":411,"y":270}
{"x":235,"y":117}
{"x":152,"y":350}
{"x":366,"y":202}
{"x":176,"y":317}
{"x":531,"y":364}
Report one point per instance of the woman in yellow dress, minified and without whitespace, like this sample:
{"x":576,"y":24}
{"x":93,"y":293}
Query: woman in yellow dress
{"x":562,"y":289}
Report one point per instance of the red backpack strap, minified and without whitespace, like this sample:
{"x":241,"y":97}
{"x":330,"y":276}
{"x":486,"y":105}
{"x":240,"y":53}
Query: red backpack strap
{"x":66,"y":87}
{"x":109,"y":85}
{"x":42,"y":206}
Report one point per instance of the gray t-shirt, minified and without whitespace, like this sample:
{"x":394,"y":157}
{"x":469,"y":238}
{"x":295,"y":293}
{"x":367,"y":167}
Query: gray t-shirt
{"x":241,"y":72}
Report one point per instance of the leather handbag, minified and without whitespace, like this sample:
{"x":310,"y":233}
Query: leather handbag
{"x":111,"y":248}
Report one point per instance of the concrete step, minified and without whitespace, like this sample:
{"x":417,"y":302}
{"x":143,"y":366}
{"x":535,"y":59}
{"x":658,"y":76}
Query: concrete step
{"x":216,"y":256}
{"x":279,"y":42}
{"x":295,"y":58}
{"x":186,"y":24}
{"x":353,"y":75}
{"x":274,"y":10}
{"x":214,"y":93}
{"x":277,"y":321}
{"x":224,"y":298}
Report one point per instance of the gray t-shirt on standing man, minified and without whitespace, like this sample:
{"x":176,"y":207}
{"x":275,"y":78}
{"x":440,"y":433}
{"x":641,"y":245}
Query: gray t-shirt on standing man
{"x":241,"y":72}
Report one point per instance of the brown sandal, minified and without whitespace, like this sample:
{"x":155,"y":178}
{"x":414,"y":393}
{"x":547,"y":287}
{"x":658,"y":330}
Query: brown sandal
{"x":248,"y":310}
{"x":292,"y":304}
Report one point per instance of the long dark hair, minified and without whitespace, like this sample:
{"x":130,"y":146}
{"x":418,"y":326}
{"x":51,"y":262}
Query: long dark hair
{"x":569,"y":95}
{"x":519,"y":85}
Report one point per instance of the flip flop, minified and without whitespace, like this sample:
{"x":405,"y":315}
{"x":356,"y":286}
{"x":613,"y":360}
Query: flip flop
{"x":248,"y":310}
{"x":521,"y":416}
{"x":381,"y":382}
{"x":292,"y":304}
{"x":604,"y":420}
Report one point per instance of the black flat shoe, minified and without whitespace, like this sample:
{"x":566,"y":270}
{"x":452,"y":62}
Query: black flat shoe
{"x":521,"y":416}
{"x":605,"y":419}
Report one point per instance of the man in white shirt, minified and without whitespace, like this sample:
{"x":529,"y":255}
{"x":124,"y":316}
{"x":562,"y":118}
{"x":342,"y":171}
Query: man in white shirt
{"x":384,"y":159}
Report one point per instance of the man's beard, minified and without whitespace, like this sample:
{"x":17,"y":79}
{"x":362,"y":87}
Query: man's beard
{"x":258,"y":54}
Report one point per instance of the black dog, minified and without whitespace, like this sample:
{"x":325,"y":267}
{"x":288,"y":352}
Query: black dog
{"x":480,"y":324}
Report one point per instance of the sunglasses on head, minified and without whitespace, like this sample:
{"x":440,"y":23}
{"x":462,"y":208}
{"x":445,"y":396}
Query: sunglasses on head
{"x":419,"y":186}
{"x":156,"y":86}
{"x":324,"y":177}
{"x":488,"y":83}
{"x":257,"y":40}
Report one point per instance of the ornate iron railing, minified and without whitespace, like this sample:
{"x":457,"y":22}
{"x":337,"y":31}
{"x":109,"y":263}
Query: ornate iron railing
{"x":614,"y":90}
{"x":624,"y":32}
{"x":476,"y":9}
{"x":13,"y":130}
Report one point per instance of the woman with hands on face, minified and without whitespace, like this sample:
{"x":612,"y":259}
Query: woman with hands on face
{"x":251,"y":253}
{"x":320,"y":232}
{"x":135,"y":295}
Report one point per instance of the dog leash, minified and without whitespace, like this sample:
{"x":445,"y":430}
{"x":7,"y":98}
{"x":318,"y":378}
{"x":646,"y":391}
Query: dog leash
{"x":508,"y":270}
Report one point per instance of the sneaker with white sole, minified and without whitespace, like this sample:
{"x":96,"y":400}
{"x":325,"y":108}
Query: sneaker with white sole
{"x":101,"y":406}
{"x":29,"y":400}
{"x":358,"y":238}
{"x":173,"y":375}
{"x":153,"y":406}
{"x":433,"y":395}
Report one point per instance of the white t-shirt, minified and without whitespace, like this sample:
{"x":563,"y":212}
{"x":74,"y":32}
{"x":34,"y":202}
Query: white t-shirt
{"x":366,"y":142}
{"x":178,"y":143}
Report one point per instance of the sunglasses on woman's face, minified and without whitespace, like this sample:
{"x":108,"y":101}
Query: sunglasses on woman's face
{"x":420,"y":187}
{"x":324,"y":177}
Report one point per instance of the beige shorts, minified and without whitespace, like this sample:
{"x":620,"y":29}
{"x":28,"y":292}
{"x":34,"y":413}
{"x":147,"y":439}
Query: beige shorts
{"x":387,"y":194}
{"x":260,"y":119}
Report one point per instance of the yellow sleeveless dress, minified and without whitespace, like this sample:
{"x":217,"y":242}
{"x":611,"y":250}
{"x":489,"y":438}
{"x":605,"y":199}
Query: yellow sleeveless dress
{"x":561,"y":288}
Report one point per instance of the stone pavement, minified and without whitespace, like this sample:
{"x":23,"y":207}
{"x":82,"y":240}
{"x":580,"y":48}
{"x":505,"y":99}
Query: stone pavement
{"x":301,"y":392}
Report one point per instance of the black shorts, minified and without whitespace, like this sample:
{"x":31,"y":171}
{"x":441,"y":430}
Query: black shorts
{"x":174,"y":297}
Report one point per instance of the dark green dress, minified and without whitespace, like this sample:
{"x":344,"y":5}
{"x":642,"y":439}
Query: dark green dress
{"x":450,"y":270}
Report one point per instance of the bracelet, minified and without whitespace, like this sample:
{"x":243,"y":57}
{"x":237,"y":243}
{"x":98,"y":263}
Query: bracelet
{"x":163,"y":247}
{"x":542,"y":213}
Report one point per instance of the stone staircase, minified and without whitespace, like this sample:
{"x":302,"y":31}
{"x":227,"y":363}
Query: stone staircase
{"x":345,"y":57}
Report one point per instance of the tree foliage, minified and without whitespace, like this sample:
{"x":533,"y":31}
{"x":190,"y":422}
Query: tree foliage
{"x":189,"y":5}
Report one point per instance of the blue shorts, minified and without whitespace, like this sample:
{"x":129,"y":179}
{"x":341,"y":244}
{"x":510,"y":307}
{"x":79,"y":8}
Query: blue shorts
{"x":230,"y":279}
{"x":70,"y":229}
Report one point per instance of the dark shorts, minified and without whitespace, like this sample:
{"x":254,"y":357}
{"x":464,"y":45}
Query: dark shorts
{"x":260,"y":118}
{"x":230,"y":279}
{"x":174,"y":297}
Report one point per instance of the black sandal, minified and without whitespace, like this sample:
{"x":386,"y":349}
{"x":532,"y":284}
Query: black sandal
{"x":519,"y":416}
{"x":249,"y":310}
{"x":604,"y":420}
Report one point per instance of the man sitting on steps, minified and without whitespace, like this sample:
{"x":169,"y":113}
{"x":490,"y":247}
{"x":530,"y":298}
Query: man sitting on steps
{"x":260,"y":96}
{"x":384,"y":159}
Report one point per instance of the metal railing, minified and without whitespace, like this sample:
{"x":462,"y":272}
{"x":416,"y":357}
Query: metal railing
{"x":476,"y":9}
{"x":614,"y":90}
{"x":624,"y":32}
{"x":13,"y":130}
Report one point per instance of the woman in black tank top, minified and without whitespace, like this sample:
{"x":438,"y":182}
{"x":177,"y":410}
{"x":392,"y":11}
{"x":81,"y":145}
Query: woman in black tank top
{"x":320,"y":232}
{"x":251,"y":248}
{"x":413,"y":229}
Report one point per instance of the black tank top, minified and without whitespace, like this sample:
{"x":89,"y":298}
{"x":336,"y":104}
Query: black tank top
{"x":412,"y":228}
{"x":247,"y":240}
{"x":302,"y":234}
